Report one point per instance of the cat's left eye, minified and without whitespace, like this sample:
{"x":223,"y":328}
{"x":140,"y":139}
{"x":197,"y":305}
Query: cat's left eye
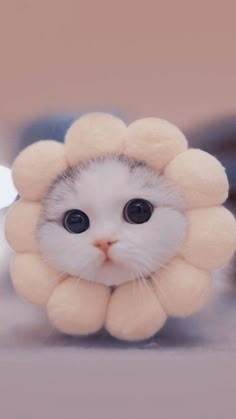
{"x":76,"y":221}
{"x":138,"y":211}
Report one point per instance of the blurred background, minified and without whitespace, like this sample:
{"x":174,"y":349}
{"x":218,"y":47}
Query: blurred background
{"x":174,"y":60}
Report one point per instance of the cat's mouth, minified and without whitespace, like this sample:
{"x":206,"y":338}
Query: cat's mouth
{"x":107,"y":261}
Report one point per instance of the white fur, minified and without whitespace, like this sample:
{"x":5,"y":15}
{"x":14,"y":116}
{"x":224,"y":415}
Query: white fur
{"x":101,"y":189}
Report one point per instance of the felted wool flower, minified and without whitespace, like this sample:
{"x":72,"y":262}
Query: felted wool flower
{"x":180,"y":287}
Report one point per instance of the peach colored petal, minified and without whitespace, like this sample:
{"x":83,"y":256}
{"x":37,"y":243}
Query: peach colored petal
{"x":211,"y":237}
{"x":37,"y":167}
{"x":154,"y":141}
{"x":78,"y":307}
{"x":200,"y":178}
{"x":181,"y":288}
{"x":33,"y":279}
{"x":94,"y":135}
{"x":134,"y":313}
{"x":21,"y":226}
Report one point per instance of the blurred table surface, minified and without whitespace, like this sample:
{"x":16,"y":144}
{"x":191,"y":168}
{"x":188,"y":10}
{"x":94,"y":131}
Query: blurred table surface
{"x":187,"y":371}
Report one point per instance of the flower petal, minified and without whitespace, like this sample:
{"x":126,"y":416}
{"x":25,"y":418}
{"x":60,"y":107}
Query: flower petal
{"x":78,"y":307}
{"x":181,"y":288}
{"x":94,"y":135}
{"x":33,"y":279}
{"x":134,"y":313}
{"x":36,"y":168}
{"x":154,"y":141}
{"x":211,"y":237}
{"x":21,"y":226}
{"x":200,"y":178}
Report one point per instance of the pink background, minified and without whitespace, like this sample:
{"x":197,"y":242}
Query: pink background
{"x":172,"y":59}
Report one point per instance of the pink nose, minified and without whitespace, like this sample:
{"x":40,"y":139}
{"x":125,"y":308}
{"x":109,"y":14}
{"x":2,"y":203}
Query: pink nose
{"x":104,"y":244}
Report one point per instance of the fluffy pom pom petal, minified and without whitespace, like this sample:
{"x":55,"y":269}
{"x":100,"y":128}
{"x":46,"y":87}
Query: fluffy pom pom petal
{"x":33,"y":279}
{"x":20,"y":227}
{"x":154,"y":141}
{"x":211,"y":237}
{"x":181,"y":288}
{"x":200,"y":178}
{"x":78,"y":307}
{"x":134,"y":313}
{"x":94,"y":135}
{"x":37,"y":167}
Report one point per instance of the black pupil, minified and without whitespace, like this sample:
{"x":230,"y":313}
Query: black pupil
{"x":76,"y":221}
{"x":138,"y":211}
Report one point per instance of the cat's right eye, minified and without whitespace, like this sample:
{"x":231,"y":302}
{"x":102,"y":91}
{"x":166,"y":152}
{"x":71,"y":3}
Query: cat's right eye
{"x":76,"y":221}
{"x":138,"y":211}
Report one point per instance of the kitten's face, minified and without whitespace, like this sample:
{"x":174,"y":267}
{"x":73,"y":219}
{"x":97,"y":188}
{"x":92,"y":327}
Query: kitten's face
{"x":128,"y":222}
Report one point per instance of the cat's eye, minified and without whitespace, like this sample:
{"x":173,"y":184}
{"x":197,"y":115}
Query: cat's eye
{"x":138,"y":211}
{"x":76,"y":221}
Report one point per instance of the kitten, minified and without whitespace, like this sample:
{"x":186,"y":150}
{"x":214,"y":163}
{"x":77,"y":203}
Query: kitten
{"x":111,"y":220}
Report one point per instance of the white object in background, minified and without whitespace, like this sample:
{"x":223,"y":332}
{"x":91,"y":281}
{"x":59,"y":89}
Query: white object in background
{"x":8,"y":195}
{"x":8,"y":192}
{"x":5,"y":251}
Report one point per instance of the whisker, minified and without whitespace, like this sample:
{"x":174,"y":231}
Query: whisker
{"x":152,"y":276}
{"x":76,"y":285}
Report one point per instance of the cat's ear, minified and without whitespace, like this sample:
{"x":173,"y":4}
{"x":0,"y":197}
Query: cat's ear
{"x":94,"y":135}
{"x":36,"y":167}
{"x":154,"y":140}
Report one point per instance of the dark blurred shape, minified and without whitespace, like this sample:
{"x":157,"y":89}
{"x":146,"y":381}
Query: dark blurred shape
{"x":47,"y":127}
{"x":218,"y":137}
{"x":53,"y":126}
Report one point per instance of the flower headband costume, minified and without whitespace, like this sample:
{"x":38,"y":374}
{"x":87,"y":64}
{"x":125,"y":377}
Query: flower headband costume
{"x":181,"y":287}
